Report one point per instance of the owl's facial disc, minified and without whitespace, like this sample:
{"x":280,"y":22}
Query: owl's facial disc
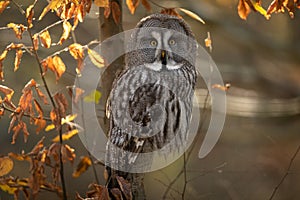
{"x":162,"y":43}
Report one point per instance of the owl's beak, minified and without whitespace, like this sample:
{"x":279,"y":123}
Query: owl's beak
{"x":163,"y":57}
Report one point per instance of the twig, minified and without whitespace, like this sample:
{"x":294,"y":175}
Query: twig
{"x":157,"y":4}
{"x":286,"y":173}
{"x":50,"y":26}
{"x":167,"y":185}
{"x":21,"y":10}
{"x":191,"y":149}
{"x":26,"y":115}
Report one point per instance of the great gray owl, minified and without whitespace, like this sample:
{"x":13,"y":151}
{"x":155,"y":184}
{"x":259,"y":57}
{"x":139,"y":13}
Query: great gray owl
{"x":150,"y":105}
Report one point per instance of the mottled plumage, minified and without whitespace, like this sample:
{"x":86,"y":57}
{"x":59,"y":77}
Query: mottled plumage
{"x":151,"y":102}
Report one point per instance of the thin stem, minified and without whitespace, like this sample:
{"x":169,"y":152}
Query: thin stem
{"x":190,"y":150}
{"x":286,"y":173}
{"x":50,"y":26}
{"x":21,"y":10}
{"x":184,"y":177}
{"x":157,"y":4}
{"x":26,"y":115}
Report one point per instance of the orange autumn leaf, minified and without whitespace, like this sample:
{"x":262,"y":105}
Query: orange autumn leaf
{"x":66,"y":136}
{"x":6,"y":165}
{"x":146,"y":4}
{"x":3,"y":5}
{"x":39,"y":145}
{"x":170,"y":11}
{"x":53,"y":5}
{"x":39,"y":109}
{"x":62,"y":104}
{"x":31,"y":84}
{"x":14,"y":46}
{"x":132,"y":5}
{"x":26,"y":100}
{"x":19,"y":157}
{"x":29,"y":15}
{"x":7,"y":92}
{"x":116,"y":12}
{"x":45,"y":39}
{"x":3,"y":55}
{"x":18,"y":29}
{"x":101,"y":3}
{"x":40,"y":124}
{"x":58,"y":67}
{"x":82,"y":166}
{"x":106,"y":12}
{"x":42,"y":96}
{"x":208,"y":42}
{"x":77,"y":51}
{"x":222,"y":87}
{"x":35,"y":41}
{"x":67,"y":27}
{"x":18,"y":57}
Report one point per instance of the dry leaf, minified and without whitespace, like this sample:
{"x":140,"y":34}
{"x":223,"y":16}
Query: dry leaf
{"x":53,"y":5}
{"x":83,"y":165}
{"x":19,"y":53}
{"x":107,"y":11}
{"x":67,"y":27}
{"x":77,"y":51}
{"x":29,"y":15}
{"x":208,"y":42}
{"x":66,"y":136}
{"x":40,"y":125}
{"x":101,"y":3}
{"x":35,"y":41}
{"x":116,"y":12}
{"x":45,"y":39}
{"x":222,"y":87}
{"x":3,"y":5}
{"x":59,"y":67}
{"x":170,"y":11}
{"x":125,"y":187}
{"x":42,"y":96}
{"x":3,"y":55}
{"x":243,"y":9}
{"x":14,"y":46}
{"x":67,"y":153}
{"x":19,"y":157}
{"x":96,"y":58}
{"x":146,"y":4}
{"x":39,"y":109}
{"x":37,"y":148}
{"x":62,"y":104}
{"x":132,"y":5}
{"x":6,"y":165}
{"x":75,"y":93}
{"x":116,"y":193}
{"x":7,"y":91}
{"x":192,"y":15}
{"x":18,"y":29}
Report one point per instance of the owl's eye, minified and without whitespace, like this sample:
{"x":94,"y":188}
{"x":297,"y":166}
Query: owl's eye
{"x":172,"y":42}
{"x":153,"y":43}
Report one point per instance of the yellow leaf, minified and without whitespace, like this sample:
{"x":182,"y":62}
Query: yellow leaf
{"x":83,"y":165}
{"x":67,"y":27}
{"x":8,"y":189}
{"x":192,"y":15}
{"x":6,"y":165}
{"x":53,"y":5}
{"x":29,"y":15}
{"x":93,"y":97}
{"x":45,"y":39}
{"x":68,"y":119}
{"x":101,"y":3}
{"x":261,"y":10}
{"x":66,"y":136}
{"x":50,"y":127}
{"x":3,"y":5}
{"x":96,"y":58}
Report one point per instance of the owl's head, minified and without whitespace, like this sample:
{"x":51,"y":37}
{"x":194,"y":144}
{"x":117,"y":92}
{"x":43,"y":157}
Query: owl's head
{"x":162,"y":42}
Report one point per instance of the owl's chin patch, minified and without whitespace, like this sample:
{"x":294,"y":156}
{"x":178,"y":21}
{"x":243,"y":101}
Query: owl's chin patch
{"x":158,"y":66}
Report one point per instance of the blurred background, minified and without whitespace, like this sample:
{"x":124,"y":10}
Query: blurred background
{"x":260,"y":59}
